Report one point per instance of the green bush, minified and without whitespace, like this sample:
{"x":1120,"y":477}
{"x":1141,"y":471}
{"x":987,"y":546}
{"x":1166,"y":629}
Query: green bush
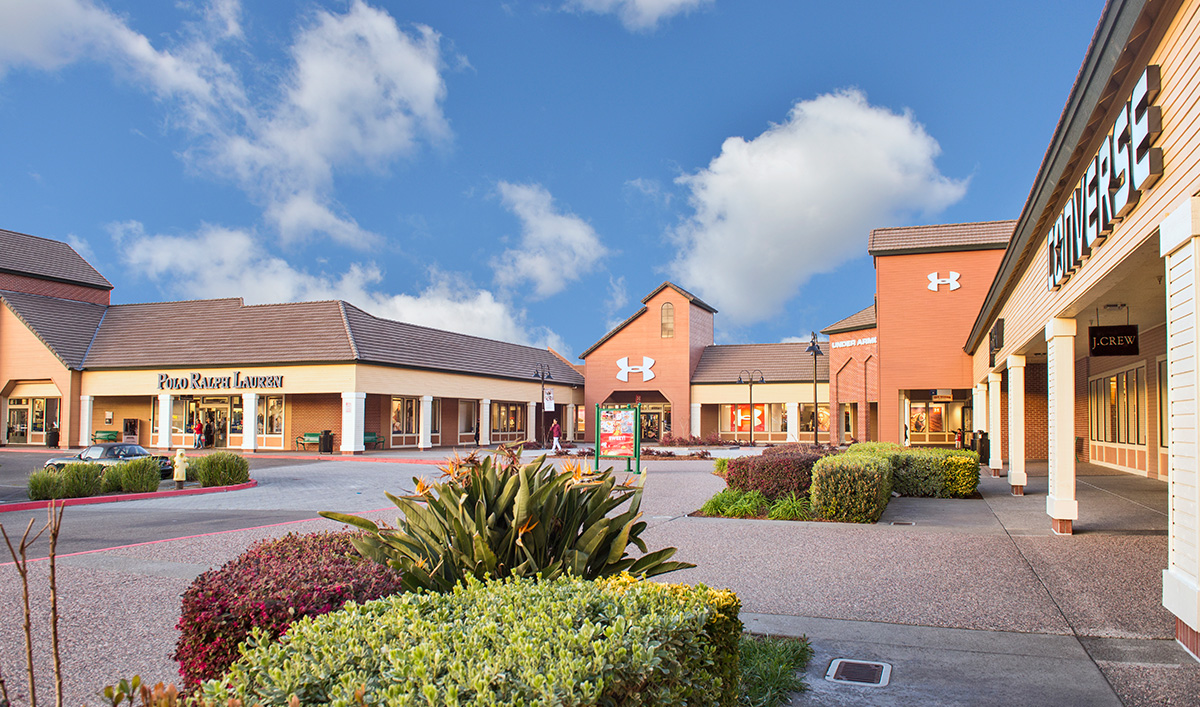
{"x":852,"y":488}
{"x":112,"y":479}
{"x":791,"y":507}
{"x":776,"y":475}
{"x":735,"y":503}
{"x":221,"y":469}
{"x":80,"y":480}
{"x":44,"y":485}
{"x":720,"y":464}
{"x":921,"y":471}
{"x":140,"y":475}
{"x":961,"y":476}
{"x":509,"y":642}
{"x":496,"y":517}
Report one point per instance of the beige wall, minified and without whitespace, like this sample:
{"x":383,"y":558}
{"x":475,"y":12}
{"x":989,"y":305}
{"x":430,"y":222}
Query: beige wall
{"x":721,"y":393}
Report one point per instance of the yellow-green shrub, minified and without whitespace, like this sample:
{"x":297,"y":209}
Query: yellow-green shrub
{"x":961,"y":476}
{"x":852,"y":488}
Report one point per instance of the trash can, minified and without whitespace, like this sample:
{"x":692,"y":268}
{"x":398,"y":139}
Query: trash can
{"x":52,"y":437}
{"x":984,"y":448}
{"x":325,"y":445}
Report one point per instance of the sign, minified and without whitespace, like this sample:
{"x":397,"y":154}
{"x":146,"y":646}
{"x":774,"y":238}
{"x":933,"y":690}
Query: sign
{"x":942,"y":395}
{"x":852,"y":342}
{"x":548,"y":400}
{"x":626,"y":369}
{"x":1126,"y":163}
{"x":935,"y":282}
{"x":740,"y":417}
{"x":1113,"y":340}
{"x":995,"y":341}
{"x":199,"y":381}
{"x":617,"y":432}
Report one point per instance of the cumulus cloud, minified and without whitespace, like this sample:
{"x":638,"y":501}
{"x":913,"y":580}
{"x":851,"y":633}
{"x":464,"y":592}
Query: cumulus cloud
{"x":555,"y":248}
{"x":638,"y":15}
{"x":225,"y":262}
{"x":800,"y":199}
{"x":360,"y":92}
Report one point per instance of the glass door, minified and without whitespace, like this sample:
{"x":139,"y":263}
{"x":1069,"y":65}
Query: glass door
{"x":18,"y":425}
{"x":651,"y":426}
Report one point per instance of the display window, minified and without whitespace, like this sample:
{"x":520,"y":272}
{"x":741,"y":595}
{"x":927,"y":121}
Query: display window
{"x":927,"y":417}
{"x":508,"y":417}
{"x":806,"y":418}
{"x":1117,"y":407}
{"x":270,"y":415}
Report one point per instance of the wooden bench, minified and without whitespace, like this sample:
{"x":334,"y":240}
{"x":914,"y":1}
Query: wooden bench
{"x":308,"y":438}
{"x":370,"y":439}
{"x":105,"y":436}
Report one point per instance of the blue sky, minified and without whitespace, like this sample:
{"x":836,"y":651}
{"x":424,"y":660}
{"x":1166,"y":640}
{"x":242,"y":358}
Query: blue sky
{"x":522,"y":170}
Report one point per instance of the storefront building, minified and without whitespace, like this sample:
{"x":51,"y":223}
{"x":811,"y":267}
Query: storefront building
{"x":854,"y":377}
{"x":1095,"y":295}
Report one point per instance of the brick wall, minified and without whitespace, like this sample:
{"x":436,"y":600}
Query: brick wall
{"x":313,"y":413}
{"x":1037,"y":422}
{"x":854,"y":379}
{"x":49,"y":288}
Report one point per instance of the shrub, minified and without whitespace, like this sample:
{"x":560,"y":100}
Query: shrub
{"x":44,"y":485}
{"x":496,"y":517}
{"x":797,"y":449}
{"x":510,"y":642}
{"x":774,"y":476}
{"x":221,"y":469}
{"x":719,"y":466}
{"x":137,"y":476}
{"x":735,"y":503}
{"x":712,"y":440}
{"x":961,"y":475}
{"x":268,"y":587}
{"x":790,"y":507}
{"x":112,"y":479}
{"x":79,"y":480}
{"x":852,"y":488}
{"x":921,"y":471}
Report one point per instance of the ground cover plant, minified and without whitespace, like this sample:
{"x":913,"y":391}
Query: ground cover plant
{"x":735,"y":503}
{"x":494,"y":517}
{"x":268,"y":587}
{"x":518,"y":641}
{"x":772,"y":668}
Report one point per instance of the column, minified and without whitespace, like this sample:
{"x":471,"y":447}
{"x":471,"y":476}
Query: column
{"x":1061,"y":505}
{"x":995,"y":456}
{"x":568,"y":427}
{"x":354,"y":422}
{"x":979,"y":409}
{"x":1016,"y":425}
{"x":85,"y":420}
{"x":1179,"y":242}
{"x":4,"y":423}
{"x":163,"y":439}
{"x":695,"y":420}
{"x":485,"y":422}
{"x":425,"y":439}
{"x":249,"y":422}
{"x":793,"y":420}
{"x":531,"y":422}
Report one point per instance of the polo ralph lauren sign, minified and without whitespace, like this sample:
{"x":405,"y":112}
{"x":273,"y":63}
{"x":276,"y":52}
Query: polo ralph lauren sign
{"x":1113,"y":340}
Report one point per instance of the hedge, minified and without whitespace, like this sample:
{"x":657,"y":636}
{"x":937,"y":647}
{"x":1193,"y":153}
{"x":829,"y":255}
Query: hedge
{"x":221,"y":469}
{"x":926,"y":472}
{"x":852,"y":488}
{"x":78,"y":480}
{"x":776,"y":475}
{"x":508,"y":642}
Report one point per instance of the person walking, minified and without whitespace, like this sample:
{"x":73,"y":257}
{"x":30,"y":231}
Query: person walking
{"x":556,"y":432}
{"x":198,"y":431}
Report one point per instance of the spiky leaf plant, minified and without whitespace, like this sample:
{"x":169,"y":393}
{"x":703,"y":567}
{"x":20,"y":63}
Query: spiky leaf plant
{"x":494,"y":517}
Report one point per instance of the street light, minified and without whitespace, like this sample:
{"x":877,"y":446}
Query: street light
{"x":541,"y":371}
{"x":750,"y":379}
{"x":815,"y":349}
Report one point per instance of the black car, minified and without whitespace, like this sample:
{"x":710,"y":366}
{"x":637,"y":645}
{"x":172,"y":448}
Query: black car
{"x":111,"y":453}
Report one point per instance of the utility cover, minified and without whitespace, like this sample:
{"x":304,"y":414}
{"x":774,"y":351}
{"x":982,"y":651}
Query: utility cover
{"x":859,"y":672}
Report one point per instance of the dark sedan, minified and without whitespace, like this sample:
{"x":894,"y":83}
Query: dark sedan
{"x":113,"y":453}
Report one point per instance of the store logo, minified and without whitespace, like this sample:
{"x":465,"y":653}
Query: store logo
{"x":626,"y":369}
{"x":935,"y":281}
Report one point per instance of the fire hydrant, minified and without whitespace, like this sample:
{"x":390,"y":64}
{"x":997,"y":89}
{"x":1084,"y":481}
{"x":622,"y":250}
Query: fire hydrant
{"x":181,"y":465}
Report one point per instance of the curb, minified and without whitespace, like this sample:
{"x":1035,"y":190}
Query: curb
{"x":37,"y":505}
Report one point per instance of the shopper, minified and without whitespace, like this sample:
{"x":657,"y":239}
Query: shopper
{"x":198,"y":431}
{"x":556,"y":432}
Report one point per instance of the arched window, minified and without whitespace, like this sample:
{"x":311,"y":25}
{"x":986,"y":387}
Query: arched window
{"x":668,"y":321}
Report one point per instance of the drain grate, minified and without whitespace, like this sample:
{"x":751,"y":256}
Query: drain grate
{"x":903,"y":522}
{"x":859,"y":672}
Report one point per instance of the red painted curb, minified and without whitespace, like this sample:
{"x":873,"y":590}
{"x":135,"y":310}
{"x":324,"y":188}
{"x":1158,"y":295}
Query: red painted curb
{"x":36,"y":505}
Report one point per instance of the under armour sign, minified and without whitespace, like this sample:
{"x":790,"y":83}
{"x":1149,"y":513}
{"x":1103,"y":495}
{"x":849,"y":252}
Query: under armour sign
{"x":626,"y":369}
{"x":935,"y":281}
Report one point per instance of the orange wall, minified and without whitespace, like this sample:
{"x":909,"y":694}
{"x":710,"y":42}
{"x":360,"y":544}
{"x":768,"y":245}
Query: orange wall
{"x":23,"y":357}
{"x":922,"y":332}
{"x":854,"y":378}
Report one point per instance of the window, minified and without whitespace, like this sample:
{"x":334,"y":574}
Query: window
{"x":806,"y":418}
{"x":581,"y":418}
{"x":1164,"y":412}
{"x":768,"y":417}
{"x":508,"y":417}
{"x":405,"y":412}
{"x":1117,"y":407}
{"x":435,"y":416}
{"x":668,"y":321}
{"x":270,"y":415}
{"x":467,"y":415}
{"x":235,"y":416}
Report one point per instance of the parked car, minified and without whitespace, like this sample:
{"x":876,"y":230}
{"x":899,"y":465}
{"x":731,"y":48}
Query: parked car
{"x":111,"y":453}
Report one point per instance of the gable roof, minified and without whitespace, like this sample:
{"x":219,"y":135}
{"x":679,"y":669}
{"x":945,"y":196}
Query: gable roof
{"x":23,"y":254}
{"x":65,"y":326}
{"x":778,"y":362}
{"x":949,"y":237}
{"x":864,"y":319}
{"x":693,"y":299}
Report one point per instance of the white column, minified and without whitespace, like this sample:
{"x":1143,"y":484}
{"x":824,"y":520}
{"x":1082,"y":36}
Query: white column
{"x":249,"y":421}
{"x":979,"y":409}
{"x":4,"y":423}
{"x":1016,"y":424}
{"x":163,"y":440}
{"x":485,"y":422}
{"x":425,"y":439}
{"x":695,"y":420}
{"x":1061,"y":505}
{"x":531,"y":421}
{"x":85,"y":420}
{"x":995,"y":457}
{"x":1179,"y":239}
{"x":568,"y":427}
{"x":354,"y":422}
{"x":793,"y":420}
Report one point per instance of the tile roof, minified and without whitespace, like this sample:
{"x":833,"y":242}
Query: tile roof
{"x":43,"y":258}
{"x":983,"y":235}
{"x":864,"y":319}
{"x":778,"y":362}
{"x":65,"y":326}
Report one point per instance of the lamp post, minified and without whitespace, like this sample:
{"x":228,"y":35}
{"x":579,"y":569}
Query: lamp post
{"x":749,"y":375}
{"x":815,"y":349}
{"x":541,"y":371}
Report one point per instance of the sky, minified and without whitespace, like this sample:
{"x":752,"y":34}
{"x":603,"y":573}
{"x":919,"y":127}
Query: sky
{"x":524,"y":171}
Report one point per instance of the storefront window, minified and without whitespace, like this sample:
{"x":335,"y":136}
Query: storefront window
{"x":39,"y":415}
{"x":468,"y":414}
{"x":235,"y":416}
{"x":404,"y":416}
{"x":508,"y":417}
{"x":270,"y":415}
{"x":1117,"y":407}
{"x":581,"y":418}
{"x":435,"y":422}
{"x":926,"y":417}
{"x":1164,"y":414}
{"x":768,"y":417}
{"x":806,"y":418}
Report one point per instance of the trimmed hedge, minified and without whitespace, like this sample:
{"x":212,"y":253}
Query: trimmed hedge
{"x":961,"y":475}
{"x":776,"y":475}
{"x":137,"y":476}
{"x":926,"y":472}
{"x":77,"y":480}
{"x":221,"y":469}
{"x":852,"y":488}
{"x":267,"y":588}
{"x":508,"y":642}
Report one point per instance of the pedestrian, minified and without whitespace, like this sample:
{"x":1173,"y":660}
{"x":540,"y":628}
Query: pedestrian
{"x":208,"y":432}
{"x":198,"y":431}
{"x":556,"y":432}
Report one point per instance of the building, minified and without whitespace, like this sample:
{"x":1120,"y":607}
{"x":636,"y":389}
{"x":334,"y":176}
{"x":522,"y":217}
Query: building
{"x":854,"y":376}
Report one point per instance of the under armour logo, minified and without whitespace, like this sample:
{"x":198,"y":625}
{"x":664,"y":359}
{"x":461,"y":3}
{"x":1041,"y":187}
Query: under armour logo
{"x":626,"y":369}
{"x":935,"y":281}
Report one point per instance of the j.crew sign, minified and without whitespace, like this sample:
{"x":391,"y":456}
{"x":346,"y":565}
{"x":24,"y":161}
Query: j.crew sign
{"x":1126,"y":163}
{"x":1113,"y":340}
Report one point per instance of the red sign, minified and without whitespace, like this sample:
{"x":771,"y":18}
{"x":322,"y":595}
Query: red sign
{"x":739,"y":418}
{"x":617,"y":429}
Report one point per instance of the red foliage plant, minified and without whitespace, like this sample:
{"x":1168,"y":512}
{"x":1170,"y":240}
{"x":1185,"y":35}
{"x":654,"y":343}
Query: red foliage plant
{"x":775,"y":475}
{"x":270,"y":585}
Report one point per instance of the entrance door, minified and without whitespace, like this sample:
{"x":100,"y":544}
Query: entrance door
{"x":651,"y":426}
{"x":18,"y":426}
{"x":218,"y":418}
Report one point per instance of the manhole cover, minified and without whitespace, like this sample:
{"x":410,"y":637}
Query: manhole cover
{"x":859,"y":672}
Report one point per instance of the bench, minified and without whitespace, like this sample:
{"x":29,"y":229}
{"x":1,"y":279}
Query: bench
{"x":105,"y":436}
{"x":370,"y":439}
{"x":308,"y":438}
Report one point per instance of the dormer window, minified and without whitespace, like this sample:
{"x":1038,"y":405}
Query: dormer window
{"x":668,"y":321}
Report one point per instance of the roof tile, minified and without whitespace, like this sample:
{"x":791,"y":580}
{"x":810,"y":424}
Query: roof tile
{"x":43,"y":258}
{"x":982,"y":235}
{"x":779,"y":363}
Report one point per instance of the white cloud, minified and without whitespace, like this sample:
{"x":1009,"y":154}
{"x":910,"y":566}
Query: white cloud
{"x":555,"y":248}
{"x":800,"y":199}
{"x":638,"y":15}
{"x":224,"y":262}
{"x":650,"y":189}
{"x":618,"y":297}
